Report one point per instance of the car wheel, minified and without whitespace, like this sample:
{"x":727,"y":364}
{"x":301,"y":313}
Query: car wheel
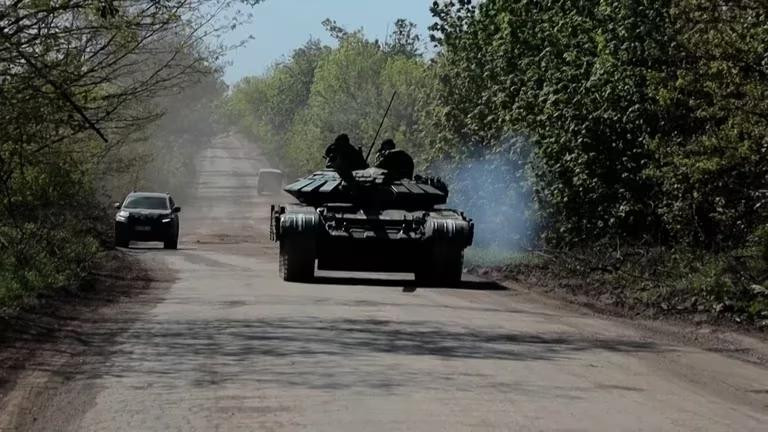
{"x":122,"y":240}
{"x":172,"y":243}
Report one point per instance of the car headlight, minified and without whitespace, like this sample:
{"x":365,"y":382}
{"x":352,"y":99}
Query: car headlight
{"x":166,"y":220}
{"x":122,"y":215}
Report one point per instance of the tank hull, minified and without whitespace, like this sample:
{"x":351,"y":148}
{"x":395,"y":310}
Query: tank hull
{"x":350,"y":238}
{"x":377,"y":256}
{"x":371,"y":220}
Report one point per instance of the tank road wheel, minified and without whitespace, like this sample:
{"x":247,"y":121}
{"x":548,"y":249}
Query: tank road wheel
{"x":443,"y":266}
{"x":297,"y":259}
{"x":452,"y":267}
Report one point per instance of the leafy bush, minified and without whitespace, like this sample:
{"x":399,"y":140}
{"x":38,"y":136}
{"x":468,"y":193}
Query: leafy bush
{"x":647,"y":119}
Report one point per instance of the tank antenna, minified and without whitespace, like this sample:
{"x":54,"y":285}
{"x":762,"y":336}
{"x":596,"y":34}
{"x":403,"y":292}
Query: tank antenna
{"x":380,"y":125}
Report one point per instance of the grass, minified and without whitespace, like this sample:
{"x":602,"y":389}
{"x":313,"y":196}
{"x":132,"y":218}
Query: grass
{"x":493,"y":257}
{"x":730,"y":286}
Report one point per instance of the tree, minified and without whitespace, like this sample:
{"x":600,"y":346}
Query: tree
{"x":570,"y":77}
{"x":404,"y":41}
{"x":265,"y":107}
{"x":299,"y":105}
{"x":80,"y":81}
{"x":712,"y":151}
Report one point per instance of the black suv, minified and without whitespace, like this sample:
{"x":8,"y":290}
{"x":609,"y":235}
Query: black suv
{"x":147,"y":216}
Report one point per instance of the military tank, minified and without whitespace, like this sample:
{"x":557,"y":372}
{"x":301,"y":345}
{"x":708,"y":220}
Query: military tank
{"x":370,"y":221}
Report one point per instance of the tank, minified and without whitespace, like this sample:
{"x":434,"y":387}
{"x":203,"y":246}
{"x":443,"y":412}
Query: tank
{"x":370,"y":222}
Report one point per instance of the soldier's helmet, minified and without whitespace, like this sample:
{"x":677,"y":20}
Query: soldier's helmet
{"x":387,"y":145}
{"x":332,"y":153}
{"x":342,"y":139}
{"x":398,"y":163}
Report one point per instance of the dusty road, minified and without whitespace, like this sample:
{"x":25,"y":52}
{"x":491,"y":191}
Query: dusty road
{"x":224,"y":345}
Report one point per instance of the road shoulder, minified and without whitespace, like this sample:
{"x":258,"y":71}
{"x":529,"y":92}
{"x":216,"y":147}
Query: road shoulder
{"x":739,"y":342}
{"x":49,"y":345}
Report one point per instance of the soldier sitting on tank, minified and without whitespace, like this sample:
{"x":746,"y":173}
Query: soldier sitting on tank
{"x":344,"y":158}
{"x":386,"y":146}
{"x":398,"y":163}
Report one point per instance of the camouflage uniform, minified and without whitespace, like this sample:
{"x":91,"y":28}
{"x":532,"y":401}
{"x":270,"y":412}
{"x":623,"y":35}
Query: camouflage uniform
{"x":344,"y":158}
{"x":386,"y":146}
{"x":398,"y":163}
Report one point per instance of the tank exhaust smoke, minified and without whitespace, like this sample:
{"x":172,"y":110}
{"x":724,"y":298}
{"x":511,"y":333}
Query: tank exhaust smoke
{"x":495,"y":192}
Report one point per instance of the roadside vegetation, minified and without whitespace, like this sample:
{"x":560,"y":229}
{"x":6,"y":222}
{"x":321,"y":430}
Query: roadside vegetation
{"x":97,"y":98}
{"x":624,"y":142}
{"x":295,"y":107}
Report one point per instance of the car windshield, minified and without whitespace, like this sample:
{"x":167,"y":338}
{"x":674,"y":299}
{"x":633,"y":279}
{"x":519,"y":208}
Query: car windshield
{"x":146,"y":202}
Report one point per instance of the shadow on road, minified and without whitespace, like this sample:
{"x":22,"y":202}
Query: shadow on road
{"x":55,"y":330}
{"x":159,"y":249}
{"x":408,"y":285}
{"x":310,"y":353}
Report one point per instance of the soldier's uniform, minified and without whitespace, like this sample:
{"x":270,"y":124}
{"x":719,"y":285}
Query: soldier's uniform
{"x":344,"y":158}
{"x":398,"y":163}
{"x":386,"y":146}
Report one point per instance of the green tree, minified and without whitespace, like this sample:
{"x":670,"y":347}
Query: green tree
{"x":711,"y":147}
{"x":644,"y":123}
{"x":80,"y":83}
{"x":300,"y":105}
{"x":265,"y":107}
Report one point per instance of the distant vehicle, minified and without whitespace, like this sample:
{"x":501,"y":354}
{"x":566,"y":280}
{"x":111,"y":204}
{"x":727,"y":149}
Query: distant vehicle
{"x":270,"y":181}
{"x":148,"y":217}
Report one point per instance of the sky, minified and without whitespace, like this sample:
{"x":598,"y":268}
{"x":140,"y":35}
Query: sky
{"x":279,"y":26}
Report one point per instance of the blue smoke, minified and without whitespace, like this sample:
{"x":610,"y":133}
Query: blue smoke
{"x":494,"y":191}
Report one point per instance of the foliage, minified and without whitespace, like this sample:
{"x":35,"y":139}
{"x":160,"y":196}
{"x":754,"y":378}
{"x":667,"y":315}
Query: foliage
{"x":647,"y":120}
{"x":265,"y":108}
{"x":81,"y":81}
{"x":299,"y":105}
{"x":712,"y":149}
{"x":549,"y":72}
{"x":643,"y":123}
{"x":163,"y":156}
{"x":660,"y":280}
{"x":578,"y":123}
{"x":478,"y":257}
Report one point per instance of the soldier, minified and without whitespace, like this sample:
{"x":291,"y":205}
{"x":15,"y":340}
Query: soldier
{"x":344,"y":158}
{"x":398,"y":163}
{"x":385,"y":146}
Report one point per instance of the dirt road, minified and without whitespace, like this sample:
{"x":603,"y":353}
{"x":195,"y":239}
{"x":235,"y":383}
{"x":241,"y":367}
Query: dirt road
{"x":223,"y":345}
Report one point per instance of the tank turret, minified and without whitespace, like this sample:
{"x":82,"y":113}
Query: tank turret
{"x":369,"y":187}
